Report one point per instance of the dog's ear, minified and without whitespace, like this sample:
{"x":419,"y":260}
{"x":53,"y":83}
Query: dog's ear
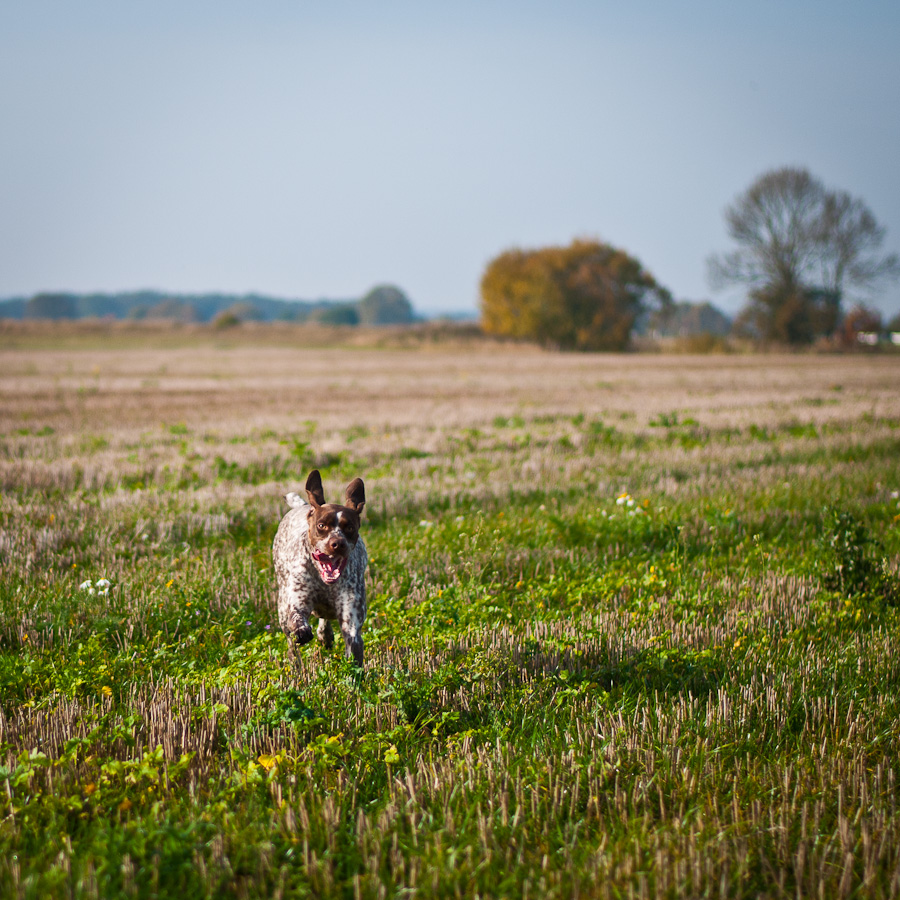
{"x":314,"y":489}
{"x":355,"y":496}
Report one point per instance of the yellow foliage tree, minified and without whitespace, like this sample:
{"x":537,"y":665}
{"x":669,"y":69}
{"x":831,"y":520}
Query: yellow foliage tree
{"x":586,"y":296}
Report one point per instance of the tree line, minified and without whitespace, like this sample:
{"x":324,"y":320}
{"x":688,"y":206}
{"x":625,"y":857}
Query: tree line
{"x":383,"y":305}
{"x":800,"y":248}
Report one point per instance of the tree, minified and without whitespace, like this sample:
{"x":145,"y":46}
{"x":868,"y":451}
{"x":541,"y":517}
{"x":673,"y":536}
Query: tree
{"x":385,"y":305}
{"x":801,"y":247}
{"x":173,"y":308}
{"x":586,"y":296}
{"x":861,"y":320}
{"x":685,"y":319}
{"x":335,"y":314}
{"x":51,"y":306}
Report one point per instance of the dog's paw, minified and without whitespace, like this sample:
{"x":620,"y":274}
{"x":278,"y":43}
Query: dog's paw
{"x":303,"y":635}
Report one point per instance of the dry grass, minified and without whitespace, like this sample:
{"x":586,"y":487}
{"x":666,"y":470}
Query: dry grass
{"x":563,"y":696}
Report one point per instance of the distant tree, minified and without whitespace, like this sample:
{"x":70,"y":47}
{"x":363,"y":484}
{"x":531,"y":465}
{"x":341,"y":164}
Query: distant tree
{"x":860,"y":320}
{"x":586,"y":296}
{"x":893,"y":324}
{"x":51,"y":306}
{"x":385,"y":305}
{"x":99,"y":306}
{"x":335,"y":314}
{"x":244,"y":311}
{"x":685,"y":318}
{"x":801,"y":247}
{"x":174,"y":309}
{"x":14,"y":308}
{"x":225,"y":319}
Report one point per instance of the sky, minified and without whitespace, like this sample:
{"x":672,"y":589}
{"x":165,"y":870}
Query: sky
{"x":308,"y":150}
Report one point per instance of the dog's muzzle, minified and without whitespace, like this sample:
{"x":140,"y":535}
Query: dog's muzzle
{"x":330,"y":567}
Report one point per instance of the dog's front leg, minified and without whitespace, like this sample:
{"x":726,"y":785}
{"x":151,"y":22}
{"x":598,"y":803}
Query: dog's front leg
{"x":354,"y":644}
{"x":352,"y":614}
{"x":298,"y":626}
{"x":325,"y":634}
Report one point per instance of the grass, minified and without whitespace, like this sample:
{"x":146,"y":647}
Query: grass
{"x":633,"y":626}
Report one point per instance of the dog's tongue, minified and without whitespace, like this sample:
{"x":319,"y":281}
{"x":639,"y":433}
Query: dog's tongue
{"x":330,"y":567}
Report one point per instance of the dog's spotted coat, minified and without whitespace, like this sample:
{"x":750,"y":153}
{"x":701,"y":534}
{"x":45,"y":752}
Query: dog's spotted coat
{"x":320,"y":566}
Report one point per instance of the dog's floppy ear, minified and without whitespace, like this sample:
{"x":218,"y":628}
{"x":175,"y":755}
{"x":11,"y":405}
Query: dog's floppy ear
{"x":355,"y":496}
{"x":314,"y":489}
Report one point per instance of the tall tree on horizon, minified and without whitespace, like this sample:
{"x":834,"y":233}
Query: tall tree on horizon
{"x":800,"y":248}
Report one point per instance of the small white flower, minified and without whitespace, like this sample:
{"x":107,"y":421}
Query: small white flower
{"x":85,"y":585}
{"x":425,"y":524}
{"x":103,"y":584}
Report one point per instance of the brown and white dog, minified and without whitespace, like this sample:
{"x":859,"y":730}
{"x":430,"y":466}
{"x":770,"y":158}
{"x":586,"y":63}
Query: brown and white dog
{"x":320,"y":566}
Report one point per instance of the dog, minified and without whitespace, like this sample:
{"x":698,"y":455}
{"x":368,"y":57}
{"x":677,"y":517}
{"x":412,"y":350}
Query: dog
{"x":320,"y":566}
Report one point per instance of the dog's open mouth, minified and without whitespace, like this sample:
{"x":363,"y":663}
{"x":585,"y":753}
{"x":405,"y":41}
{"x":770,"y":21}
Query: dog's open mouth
{"x":330,"y":567}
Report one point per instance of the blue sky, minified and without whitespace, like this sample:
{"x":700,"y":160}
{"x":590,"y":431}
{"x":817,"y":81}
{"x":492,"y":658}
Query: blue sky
{"x":316,"y":149}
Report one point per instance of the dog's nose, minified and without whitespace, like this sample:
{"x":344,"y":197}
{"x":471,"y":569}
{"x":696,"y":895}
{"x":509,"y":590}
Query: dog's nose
{"x":336,"y":543}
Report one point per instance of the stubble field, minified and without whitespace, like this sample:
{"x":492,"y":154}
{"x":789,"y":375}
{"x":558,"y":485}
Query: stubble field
{"x":633,"y":625}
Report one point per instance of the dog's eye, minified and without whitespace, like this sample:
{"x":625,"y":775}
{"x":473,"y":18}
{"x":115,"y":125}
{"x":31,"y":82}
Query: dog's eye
{"x":322,"y":527}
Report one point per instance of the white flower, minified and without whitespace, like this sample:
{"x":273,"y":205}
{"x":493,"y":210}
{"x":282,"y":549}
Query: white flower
{"x":103,"y":584}
{"x":425,"y":524}
{"x":85,"y":585}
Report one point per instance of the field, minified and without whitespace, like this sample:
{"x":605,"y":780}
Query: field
{"x":634,"y":623}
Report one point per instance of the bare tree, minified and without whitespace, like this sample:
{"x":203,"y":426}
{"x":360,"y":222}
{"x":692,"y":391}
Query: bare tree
{"x":800,"y":248}
{"x":850,"y":240}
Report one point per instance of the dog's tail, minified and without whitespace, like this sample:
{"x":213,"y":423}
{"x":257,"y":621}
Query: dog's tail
{"x":294,"y":500}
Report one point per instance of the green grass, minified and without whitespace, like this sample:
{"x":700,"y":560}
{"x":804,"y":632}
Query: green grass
{"x":570,"y":689}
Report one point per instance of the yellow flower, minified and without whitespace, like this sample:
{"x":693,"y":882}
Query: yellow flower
{"x":170,"y":582}
{"x":106,"y":690}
